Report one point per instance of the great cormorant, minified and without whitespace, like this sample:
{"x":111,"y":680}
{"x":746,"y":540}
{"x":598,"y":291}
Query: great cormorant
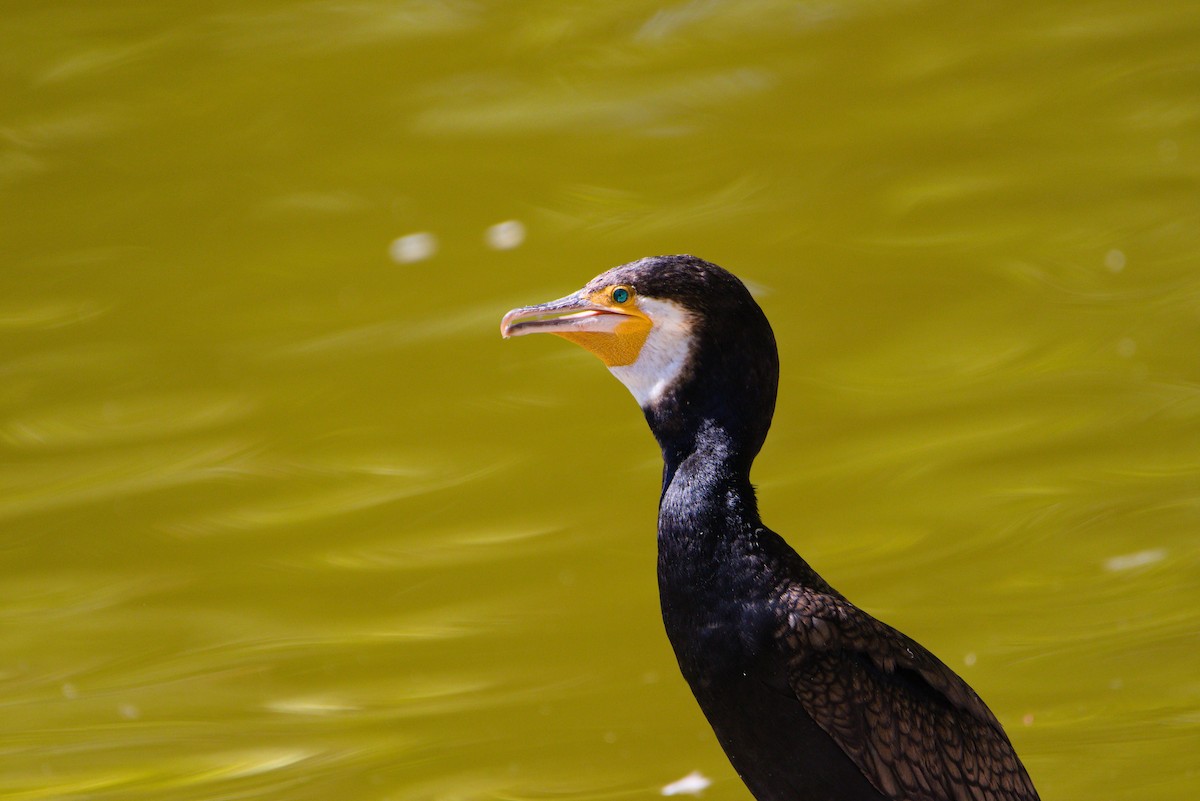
{"x":811,"y":697}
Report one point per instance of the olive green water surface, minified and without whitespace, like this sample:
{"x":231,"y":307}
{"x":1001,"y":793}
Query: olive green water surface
{"x":282,"y":517}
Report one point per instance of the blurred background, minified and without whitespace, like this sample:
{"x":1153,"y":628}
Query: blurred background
{"x":282,"y":517}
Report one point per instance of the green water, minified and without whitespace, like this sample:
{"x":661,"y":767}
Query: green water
{"x":282,"y":517}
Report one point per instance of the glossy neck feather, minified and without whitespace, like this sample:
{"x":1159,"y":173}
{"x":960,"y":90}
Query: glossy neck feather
{"x":706,"y":491}
{"x":712,"y":422}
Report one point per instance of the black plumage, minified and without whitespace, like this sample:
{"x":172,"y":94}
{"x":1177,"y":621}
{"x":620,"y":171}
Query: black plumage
{"x":811,"y":698}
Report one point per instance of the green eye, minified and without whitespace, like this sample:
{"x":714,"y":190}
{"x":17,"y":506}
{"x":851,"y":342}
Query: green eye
{"x":620,"y":295}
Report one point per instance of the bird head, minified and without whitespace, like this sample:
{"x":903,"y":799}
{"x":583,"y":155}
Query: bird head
{"x":685,"y":336}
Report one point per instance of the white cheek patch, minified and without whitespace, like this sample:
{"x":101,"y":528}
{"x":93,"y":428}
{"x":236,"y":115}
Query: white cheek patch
{"x":664,"y":354}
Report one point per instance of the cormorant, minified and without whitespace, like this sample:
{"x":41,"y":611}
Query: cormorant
{"x":811,"y":697}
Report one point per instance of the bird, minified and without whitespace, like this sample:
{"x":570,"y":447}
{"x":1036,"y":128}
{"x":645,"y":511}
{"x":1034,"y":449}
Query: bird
{"x":811,"y":698}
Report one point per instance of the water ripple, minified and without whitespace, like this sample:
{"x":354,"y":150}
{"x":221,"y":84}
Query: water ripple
{"x":364,"y":486}
{"x":32,"y":488}
{"x":432,"y":548}
{"x":110,"y":422}
{"x":50,"y":314}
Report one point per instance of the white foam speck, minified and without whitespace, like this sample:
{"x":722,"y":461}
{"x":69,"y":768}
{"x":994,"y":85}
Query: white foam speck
{"x":1114,"y":260}
{"x":1129,"y":561}
{"x":413,"y":247}
{"x":505,"y":235}
{"x":694,"y":783}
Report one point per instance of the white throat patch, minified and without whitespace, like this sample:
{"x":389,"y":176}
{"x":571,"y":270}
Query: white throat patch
{"x":664,"y":354}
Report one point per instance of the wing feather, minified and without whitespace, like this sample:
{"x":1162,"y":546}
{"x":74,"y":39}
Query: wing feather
{"x":914,"y":728}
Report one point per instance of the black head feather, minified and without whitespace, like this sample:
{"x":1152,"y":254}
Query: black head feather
{"x":732,"y":374}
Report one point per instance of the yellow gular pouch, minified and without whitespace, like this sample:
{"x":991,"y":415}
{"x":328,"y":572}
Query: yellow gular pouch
{"x":618,"y":349}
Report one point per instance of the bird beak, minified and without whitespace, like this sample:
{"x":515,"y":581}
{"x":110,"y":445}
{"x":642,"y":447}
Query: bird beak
{"x":574,"y":314}
{"x":616,"y":335}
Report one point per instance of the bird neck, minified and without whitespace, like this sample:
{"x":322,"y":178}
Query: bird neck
{"x":706,"y":486}
{"x":709,"y":557}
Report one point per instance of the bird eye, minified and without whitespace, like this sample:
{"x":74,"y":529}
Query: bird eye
{"x":620,"y":295}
